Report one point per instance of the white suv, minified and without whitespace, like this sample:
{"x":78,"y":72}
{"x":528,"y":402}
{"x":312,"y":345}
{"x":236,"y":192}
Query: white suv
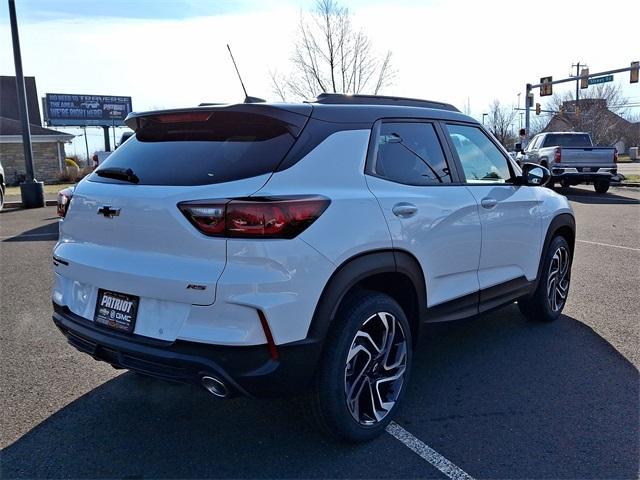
{"x":269,"y":249}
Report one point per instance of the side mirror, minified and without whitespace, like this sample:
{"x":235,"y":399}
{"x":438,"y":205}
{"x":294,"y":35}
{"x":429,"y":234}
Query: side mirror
{"x":534,"y":175}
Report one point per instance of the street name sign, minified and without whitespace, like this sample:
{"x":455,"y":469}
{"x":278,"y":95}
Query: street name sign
{"x":597,"y":80}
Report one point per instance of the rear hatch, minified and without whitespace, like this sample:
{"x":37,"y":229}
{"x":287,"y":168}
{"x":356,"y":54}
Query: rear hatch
{"x":123,"y":230}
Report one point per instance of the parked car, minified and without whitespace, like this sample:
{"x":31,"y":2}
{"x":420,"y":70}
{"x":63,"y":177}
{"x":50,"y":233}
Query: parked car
{"x":269,"y":249}
{"x":63,"y":199}
{"x":573,"y":159}
{"x":99,"y":157}
{"x":125,"y":136}
{"x":2,"y":186}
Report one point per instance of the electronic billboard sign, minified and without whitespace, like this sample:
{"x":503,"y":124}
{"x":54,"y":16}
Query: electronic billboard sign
{"x":63,"y":109}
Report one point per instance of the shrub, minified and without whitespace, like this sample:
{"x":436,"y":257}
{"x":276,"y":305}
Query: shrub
{"x":73,"y":174}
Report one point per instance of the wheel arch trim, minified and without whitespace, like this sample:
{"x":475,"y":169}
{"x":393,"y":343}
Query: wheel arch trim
{"x":357,"y":269}
{"x":560,"y":222}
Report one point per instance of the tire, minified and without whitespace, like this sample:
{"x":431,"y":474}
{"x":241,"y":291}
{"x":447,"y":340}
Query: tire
{"x":544,"y":306}
{"x":346,"y":366}
{"x":565,"y":183}
{"x":1,"y":199}
{"x":601,"y":186}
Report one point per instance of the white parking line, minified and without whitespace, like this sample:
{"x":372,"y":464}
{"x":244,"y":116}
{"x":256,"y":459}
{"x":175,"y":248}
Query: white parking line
{"x":427,"y":453}
{"x":609,"y":245}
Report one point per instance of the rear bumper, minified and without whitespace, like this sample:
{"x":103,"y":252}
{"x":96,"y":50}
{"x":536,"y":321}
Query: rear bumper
{"x":246,"y":370}
{"x":580,"y":175}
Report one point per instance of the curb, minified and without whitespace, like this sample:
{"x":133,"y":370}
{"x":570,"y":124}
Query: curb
{"x":48,"y":203}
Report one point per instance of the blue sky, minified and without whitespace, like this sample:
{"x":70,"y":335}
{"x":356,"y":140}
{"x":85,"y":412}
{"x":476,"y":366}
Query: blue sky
{"x":39,"y":10}
{"x":172,"y":53}
{"x":45,"y":10}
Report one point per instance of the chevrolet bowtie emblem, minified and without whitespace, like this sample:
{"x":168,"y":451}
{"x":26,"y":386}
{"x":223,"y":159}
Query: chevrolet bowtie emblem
{"x":109,"y":212}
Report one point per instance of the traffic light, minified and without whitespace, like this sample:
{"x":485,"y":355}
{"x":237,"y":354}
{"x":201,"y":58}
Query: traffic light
{"x":538,"y":109}
{"x":635,"y":70}
{"x":584,"y":78}
{"x":546,"y":88}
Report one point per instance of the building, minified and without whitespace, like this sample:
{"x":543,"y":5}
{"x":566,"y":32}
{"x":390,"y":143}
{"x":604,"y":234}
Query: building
{"x":593,"y":115}
{"x":47,"y":144}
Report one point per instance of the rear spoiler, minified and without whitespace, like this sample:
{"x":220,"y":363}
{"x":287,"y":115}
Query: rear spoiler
{"x":293,"y":116}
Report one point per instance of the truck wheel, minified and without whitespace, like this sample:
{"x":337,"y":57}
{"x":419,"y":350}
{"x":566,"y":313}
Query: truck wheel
{"x":601,"y":186}
{"x":565,"y":183}
{"x":365,"y":368}
{"x":547,"y":302}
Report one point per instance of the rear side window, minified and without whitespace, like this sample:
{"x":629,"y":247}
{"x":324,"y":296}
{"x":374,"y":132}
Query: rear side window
{"x":577,"y":140}
{"x":534,"y":143}
{"x":410,"y":153}
{"x":228,"y":146}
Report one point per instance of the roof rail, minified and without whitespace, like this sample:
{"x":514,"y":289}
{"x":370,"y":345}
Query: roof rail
{"x":344,"y":99}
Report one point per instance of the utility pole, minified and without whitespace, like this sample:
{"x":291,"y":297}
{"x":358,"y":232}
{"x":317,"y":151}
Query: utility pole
{"x":31,"y":191}
{"x":86,"y":145}
{"x":577,"y":65}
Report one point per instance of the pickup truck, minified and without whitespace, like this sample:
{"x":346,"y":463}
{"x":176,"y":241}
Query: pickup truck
{"x":572,"y":159}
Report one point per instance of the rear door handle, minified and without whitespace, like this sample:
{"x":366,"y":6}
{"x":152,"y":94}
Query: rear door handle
{"x":404,"y":210}
{"x":488,"y":202}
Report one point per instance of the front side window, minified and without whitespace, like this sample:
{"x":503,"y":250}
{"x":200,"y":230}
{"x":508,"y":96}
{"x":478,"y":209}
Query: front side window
{"x":482,"y":161}
{"x":410,"y":153}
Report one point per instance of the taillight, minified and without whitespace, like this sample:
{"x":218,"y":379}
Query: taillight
{"x":557,"y":157}
{"x":615,"y":155}
{"x":273,"y":217}
{"x":64,"y":199}
{"x":182,"y":117}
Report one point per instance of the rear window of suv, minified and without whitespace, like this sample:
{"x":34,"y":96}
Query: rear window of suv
{"x":228,"y":146}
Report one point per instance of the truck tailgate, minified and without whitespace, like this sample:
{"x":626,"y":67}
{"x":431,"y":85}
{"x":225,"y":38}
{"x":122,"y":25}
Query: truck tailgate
{"x":588,"y":156}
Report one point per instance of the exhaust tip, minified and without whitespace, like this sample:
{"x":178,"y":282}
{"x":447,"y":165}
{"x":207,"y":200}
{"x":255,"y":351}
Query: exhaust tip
{"x":215,"y":386}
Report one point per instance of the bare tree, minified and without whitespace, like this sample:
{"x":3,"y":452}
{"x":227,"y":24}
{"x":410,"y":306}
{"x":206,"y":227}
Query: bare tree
{"x":331,"y":55}
{"x":500,"y":123}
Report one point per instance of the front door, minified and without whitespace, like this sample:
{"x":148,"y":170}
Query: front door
{"x":509,"y":213}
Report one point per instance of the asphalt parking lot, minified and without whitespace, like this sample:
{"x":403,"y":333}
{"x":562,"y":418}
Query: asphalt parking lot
{"x":497,"y":396}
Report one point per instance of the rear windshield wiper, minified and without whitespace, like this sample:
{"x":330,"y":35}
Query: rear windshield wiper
{"x":125,"y":174}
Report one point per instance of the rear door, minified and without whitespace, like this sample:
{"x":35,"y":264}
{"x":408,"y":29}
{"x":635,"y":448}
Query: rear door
{"x":429,"y":213}
{"x":125,"y":233}
{"x":509,"y":214}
